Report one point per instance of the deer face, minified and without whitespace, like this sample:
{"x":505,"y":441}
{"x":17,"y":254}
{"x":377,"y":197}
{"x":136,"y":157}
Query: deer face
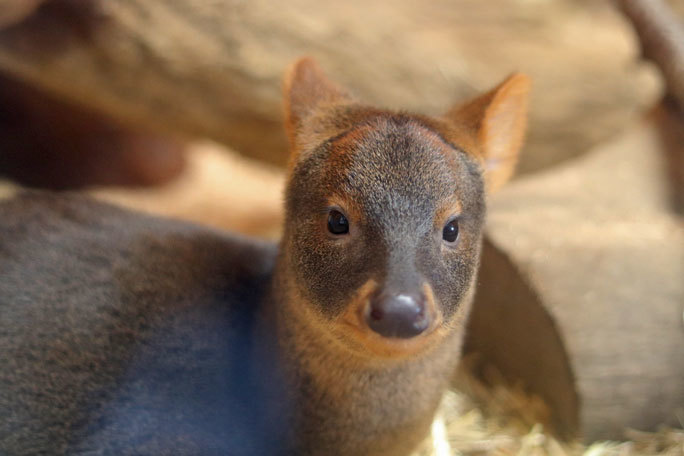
{"x":384,"y":219}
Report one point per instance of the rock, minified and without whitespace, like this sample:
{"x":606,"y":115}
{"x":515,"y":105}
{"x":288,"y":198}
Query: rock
{"x":213,"y":68}
{"x":596,"y":245}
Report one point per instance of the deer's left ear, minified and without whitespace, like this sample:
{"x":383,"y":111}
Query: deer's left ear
{"x":498,"y":120}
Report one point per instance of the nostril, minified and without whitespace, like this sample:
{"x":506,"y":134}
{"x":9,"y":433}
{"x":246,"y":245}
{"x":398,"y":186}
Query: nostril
{"x":402,"y":315}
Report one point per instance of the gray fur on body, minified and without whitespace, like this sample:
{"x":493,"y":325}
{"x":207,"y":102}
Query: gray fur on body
{"x":125,"y":334}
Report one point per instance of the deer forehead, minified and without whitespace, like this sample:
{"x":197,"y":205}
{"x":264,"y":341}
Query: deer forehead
{"x":395,"y":166}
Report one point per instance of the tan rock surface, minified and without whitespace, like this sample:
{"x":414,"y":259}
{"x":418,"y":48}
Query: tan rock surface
{"x":597,"y":242}
{"x":213,"y":68}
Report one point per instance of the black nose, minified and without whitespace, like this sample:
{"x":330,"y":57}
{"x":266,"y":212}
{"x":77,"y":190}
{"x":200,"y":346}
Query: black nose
{"x":398,"y":315}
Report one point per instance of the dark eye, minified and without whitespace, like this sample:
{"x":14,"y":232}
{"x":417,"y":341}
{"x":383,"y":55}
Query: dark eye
{"x":450,"y":231}
{"x":337,"y":223}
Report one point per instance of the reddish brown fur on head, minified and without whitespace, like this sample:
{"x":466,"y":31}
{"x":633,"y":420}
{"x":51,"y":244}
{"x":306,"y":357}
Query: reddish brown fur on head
{"x":393,"y":283}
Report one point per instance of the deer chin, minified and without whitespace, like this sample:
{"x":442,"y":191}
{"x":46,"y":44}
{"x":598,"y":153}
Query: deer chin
{"x":351,"y":329}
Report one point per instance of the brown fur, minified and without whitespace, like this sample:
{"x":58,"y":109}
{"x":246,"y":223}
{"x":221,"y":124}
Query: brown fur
{"x":225,"y":349}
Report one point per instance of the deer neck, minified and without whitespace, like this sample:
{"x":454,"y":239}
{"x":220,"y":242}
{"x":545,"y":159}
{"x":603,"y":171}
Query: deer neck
{"x":336,"y":392}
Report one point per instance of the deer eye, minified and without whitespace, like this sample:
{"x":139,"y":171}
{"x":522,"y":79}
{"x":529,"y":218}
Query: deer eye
{"x":450,"y":231}
{"x":337,"y":223}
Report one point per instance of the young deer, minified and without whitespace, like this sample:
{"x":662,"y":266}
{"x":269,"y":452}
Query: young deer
{"x":127,"y":334}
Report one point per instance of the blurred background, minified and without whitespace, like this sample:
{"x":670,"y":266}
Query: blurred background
{"x":174,"y":108}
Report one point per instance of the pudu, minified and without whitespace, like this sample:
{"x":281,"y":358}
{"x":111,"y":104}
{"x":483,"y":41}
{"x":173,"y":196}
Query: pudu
{"x":127,"y":334}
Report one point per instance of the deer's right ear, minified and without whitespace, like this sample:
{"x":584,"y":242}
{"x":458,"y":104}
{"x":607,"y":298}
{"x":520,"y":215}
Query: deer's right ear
{"x":497,"y":119}
{"x":307,"y":93}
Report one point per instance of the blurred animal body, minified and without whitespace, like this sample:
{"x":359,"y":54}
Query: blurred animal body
{"x":127,"y":334}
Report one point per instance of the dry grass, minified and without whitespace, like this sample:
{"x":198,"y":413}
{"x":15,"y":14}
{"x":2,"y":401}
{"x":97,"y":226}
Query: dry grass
{"x":504,"y":421}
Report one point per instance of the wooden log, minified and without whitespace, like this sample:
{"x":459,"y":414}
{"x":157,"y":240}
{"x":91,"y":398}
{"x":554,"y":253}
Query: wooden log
{"x":47,"y":143}
{"x":600,"y":249}
{"x":213,"y":68}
